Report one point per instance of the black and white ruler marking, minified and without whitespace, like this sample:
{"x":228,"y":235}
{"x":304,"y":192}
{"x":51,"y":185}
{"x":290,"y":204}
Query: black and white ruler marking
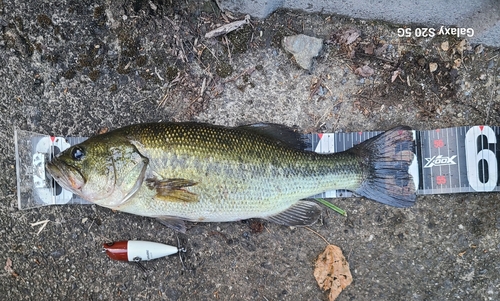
{"x":450,"y":160}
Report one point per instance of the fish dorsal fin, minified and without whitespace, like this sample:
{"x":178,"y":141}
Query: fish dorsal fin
{"x":278,"y":132}
{"x":302,"y":213}
{"x":172,"y":190}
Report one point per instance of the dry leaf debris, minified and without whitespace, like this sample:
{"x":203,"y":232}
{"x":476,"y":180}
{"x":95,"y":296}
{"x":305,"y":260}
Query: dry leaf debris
{"x":332,"y":271}
{"x":9,"y":269}
{"x":365,"y":71}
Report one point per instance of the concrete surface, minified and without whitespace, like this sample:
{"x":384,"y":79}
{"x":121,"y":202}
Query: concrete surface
{"x":73,"y":68}
{"x":483,"y":16}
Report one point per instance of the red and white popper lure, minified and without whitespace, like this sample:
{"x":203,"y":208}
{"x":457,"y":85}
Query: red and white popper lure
{"x":138,"y":250}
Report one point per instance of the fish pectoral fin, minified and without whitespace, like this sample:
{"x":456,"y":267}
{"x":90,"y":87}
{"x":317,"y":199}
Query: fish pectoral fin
{"x":172,"y":222}
{"x":172,"y":189}
{"x":302,"y":213}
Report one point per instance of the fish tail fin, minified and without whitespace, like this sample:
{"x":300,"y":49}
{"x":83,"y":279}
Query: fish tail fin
{"x":386,"y":160}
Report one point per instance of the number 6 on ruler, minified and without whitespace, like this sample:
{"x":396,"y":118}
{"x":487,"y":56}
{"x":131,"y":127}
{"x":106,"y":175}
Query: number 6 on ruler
{"x":475,"y":153}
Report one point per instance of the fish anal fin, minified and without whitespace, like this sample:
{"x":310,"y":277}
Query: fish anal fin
{"x":302,"y":213}
{"x":174,"y":223}
{"x":172,"y":190}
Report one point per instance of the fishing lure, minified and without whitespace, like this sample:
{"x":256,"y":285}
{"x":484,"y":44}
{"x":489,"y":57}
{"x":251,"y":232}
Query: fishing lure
{"x":138,"y":250}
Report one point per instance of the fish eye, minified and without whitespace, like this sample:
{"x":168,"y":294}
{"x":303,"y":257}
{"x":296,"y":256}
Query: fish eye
{"x":77,"y":153}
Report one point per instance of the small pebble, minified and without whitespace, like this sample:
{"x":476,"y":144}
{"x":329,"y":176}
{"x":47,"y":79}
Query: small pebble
{"x":479,"y":49}
{"x":304,"y":49}
{"x":445,"y":46}
{"x":433,"y":67}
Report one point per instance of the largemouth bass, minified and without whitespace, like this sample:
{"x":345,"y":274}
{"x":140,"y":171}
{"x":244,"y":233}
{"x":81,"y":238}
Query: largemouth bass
{"x":198,"y":172}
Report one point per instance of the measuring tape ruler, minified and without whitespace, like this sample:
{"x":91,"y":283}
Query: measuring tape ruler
{"x":34,"y":187}
{"x":450,"y":160}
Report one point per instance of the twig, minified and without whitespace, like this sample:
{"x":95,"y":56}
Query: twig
{"x":211,"y":52}
{"x":227,"y":42}
{"x":377,"y":57}
{"x":158,"y":74}
{"x":43,"y":223}
{"x":320,"y":123}
{"x":164,"y":99}
{"x":491,"y":96}
{"x":491,"y":58}
{"x":169,"y":20}
{"x":203,"y":86}
{"x":224,"y":29}
{"x":324,"y":239}
{"x":181,"y":54}
{"x":246,"y":72}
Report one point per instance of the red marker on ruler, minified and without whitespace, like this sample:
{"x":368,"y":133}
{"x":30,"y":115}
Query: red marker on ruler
{"x":137,"y":250}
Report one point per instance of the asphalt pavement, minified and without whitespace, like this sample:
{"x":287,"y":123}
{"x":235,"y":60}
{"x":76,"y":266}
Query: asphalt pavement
{"x":72,"y":68}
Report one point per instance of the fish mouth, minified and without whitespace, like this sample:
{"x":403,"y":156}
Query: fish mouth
{"x":65,"y":175}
